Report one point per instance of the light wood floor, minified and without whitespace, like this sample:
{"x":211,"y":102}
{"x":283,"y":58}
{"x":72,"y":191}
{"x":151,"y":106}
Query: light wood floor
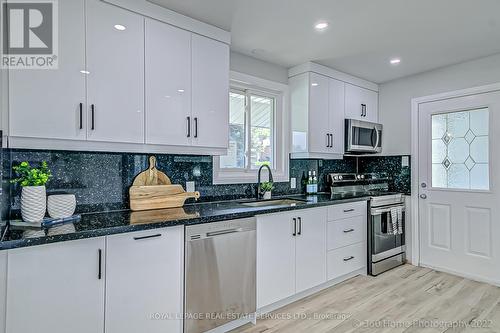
{"x":391,"y":303}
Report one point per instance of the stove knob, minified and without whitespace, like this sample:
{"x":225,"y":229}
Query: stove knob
{"x":362,"y":176}
{"x":358,"y":177}
{"x":340,"y":177}
{"x":335,"y":177}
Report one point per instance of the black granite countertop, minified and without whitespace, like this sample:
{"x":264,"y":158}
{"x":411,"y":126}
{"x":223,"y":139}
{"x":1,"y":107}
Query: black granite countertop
{"x":115,"y":222}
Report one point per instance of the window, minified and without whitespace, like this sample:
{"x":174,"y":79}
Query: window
{"x":258,"y":130}
{"x":460,"y":150}
{"x":251,"y":130}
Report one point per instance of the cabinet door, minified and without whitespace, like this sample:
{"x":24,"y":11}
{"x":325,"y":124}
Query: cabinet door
{"x":361,"y":103}
{"x":311,"y":249}
{"x":337,"y":122}
{"x":168,"y":84}
{"x":56,"y":288}
{"x":210,"y":82}
{"x":275,"y":258}
{"x":319,"y":116}
{"x":46,"y":103}
{"x":144,"y":280}
{"x":115,"y":61}
{"x":3,"y":288}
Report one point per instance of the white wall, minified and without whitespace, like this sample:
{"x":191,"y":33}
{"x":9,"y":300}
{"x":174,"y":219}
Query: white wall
{"x":395,"y":96}
{"x":255,"y":67}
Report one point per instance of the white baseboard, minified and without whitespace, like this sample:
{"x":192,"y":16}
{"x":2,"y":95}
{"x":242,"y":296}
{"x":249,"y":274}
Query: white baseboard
{"x":469,"y":276}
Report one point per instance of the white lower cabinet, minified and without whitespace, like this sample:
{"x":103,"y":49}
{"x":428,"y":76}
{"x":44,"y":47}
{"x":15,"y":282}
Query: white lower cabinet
{"x":3,"y":288}
{"x":56,"y":288}
{"x":291,"y":249}
{"x":144,"y":281}
{"x":346,"y":259}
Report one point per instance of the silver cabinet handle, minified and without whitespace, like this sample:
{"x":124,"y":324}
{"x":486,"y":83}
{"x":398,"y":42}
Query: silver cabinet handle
{"x":348,"y":210}
{"x":349,"y":258}
{"x":348,"y":231}
{"x":294,"y":227}
{"x":300,"y":226}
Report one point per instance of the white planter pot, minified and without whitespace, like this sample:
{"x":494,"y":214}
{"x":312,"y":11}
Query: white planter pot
{"x":267,"y":195}
{"x":61,"y":205}
{"x":33,"y":203}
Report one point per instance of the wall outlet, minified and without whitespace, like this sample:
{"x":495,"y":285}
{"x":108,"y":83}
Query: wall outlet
{"x":293,"y":182}
{"x":190,"y":187}
{"x":405,"y":161}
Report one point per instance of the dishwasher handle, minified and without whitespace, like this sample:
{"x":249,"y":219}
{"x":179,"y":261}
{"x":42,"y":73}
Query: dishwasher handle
{"x":224,"y":232}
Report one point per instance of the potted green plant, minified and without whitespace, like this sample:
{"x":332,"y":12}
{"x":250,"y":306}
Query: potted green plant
{"x":266,"y":189}
{"x":33,"y":193}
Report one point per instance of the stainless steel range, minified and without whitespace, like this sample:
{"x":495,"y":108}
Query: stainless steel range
{"x":386,"y":243}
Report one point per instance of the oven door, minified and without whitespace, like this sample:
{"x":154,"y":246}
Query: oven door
{"x":383,"y":243}
{"x":362,"y":136}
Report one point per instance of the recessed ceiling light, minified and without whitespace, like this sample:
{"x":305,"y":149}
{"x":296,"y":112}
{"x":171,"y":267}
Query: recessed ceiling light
{"x":84,"y":72}
{"x":181,"y":90}
{"x":120,"y":27}
{"x":395,"y":61}
{"x":314,"y":84}
{"x":321,"y":26}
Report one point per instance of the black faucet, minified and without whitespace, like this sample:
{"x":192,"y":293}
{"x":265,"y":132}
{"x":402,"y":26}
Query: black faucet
{"x":258,"y":178}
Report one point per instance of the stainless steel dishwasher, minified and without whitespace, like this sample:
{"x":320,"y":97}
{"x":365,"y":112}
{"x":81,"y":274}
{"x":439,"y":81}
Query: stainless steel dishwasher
{"x":220,"y":273}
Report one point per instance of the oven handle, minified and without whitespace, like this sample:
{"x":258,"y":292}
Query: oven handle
{"x":380,"y":211}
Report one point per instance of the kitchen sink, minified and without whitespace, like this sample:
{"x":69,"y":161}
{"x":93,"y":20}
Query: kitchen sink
{"x":273,"y":202}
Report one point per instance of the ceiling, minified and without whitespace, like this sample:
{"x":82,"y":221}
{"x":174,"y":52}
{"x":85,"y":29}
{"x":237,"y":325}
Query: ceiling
{"x":363,"y":34}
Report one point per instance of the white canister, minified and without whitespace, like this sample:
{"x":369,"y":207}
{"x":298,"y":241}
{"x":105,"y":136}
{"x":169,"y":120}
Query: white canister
{"x":61,"y":205}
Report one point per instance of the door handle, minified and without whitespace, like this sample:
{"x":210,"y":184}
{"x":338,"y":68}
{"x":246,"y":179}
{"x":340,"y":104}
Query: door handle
{"x":188,"y":127}
{"x":146,"y":237}
{"x":349,"y":258}
{"x":99,"y":273}
{"x":81,"y":115}
{"x":300,"y":226}
{"x":424,"y":185}
{"x":327,"y":140}
{"x":423,"y":196}
{"x":348,"y":210}
{"x":195,"y":127}
{"x":363,"y":110}
{"x":92,"y":108}
{"x":348,"y":231}
{"x":331,"y":144}
{"x":294,"y":227}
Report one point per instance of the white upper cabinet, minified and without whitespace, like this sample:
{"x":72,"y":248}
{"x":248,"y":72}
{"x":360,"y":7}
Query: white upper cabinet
{"x":60,"y":287}
{"x":210,"y":96}
{"x":361,"y":103}
{"x":317,"y":104}
{"x":144,"y":277}
{"x":168,"y":84}
{"x":115,"y":61}
{"x":51,"y":103}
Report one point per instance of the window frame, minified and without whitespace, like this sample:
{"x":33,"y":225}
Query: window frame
{"x":250,"y":85}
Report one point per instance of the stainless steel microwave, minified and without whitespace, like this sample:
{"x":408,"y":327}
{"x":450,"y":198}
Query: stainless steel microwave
{"x":362,"y":137}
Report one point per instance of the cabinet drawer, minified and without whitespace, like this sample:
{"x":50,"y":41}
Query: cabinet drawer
{"x":346,"y":260}
{"x":346,"y":232}
{"x":338,"y":212}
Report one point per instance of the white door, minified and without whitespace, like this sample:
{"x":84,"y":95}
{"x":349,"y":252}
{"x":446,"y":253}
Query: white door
{"x":144,"y":281}
{"x":275,"y":258}
{"x":51,"y":103}
{"x":361,"y":103}
{"x":210,"y":98}
{"x":319,"y":115}
{"x":459,"y":211}
{"x":115,"y":62}
{"x":3,"y":288}
{"x":310,"y":249}
{"x":57,"y":288}
{"x":168,"y":84}
{"x":337,"y":123}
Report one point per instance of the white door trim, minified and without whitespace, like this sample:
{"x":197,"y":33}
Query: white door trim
{"x":415,"y":102}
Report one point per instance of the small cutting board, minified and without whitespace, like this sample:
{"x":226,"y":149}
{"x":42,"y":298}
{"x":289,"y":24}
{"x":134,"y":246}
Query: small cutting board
{"x":159,"y":196}
{"x":151,"y":176}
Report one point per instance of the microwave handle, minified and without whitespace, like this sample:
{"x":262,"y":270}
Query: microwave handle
{"x":378,"y":137}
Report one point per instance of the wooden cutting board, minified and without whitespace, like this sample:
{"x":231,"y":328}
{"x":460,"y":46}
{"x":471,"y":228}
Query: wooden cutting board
{"x":151,"y":176}
{"x":159,"y":196}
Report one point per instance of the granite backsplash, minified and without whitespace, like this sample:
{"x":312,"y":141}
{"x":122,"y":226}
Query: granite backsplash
{"x":101,"y":181}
